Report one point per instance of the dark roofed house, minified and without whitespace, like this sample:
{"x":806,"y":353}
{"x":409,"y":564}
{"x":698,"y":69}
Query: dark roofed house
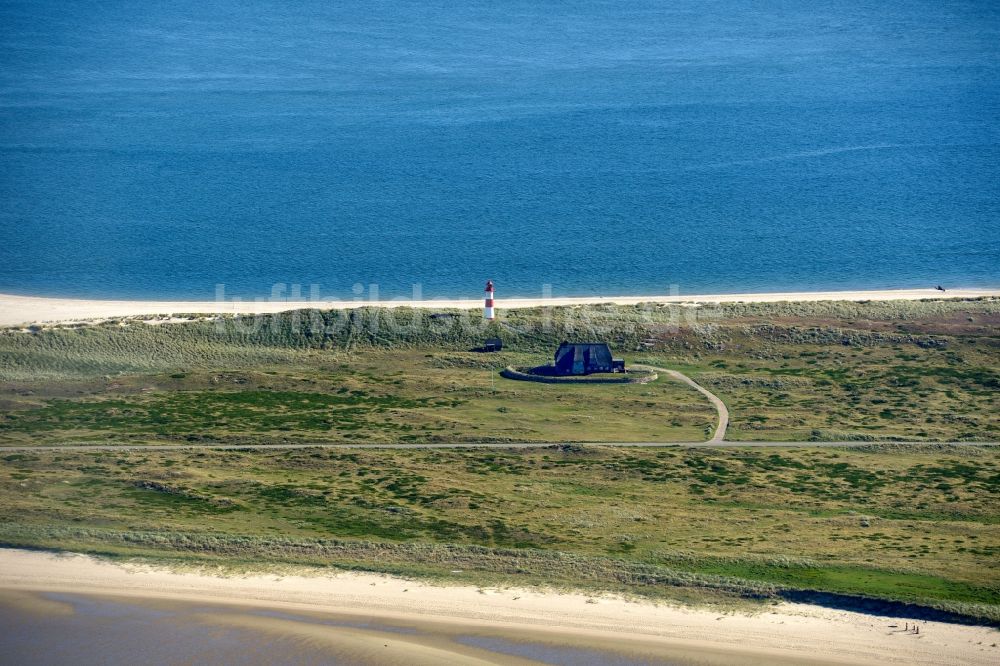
{"x":583,"y":358}
{"x":493,"y":345}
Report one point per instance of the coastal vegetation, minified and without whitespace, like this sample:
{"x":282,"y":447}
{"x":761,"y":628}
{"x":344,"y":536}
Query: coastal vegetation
{"x":877,"y":521}
{"x":917,"y":524}
{"x":372,"y":396}
{"x":923,"y":371}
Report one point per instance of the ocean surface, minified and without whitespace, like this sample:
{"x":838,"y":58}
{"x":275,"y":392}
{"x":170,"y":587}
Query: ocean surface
{"x":157,"y":149}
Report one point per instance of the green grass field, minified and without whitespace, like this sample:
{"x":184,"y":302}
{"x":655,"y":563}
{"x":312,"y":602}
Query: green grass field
{"x":917,"y":524}
{"x":377,"y":395}
{"x":896,"y":522}
{"x":801,"y":372}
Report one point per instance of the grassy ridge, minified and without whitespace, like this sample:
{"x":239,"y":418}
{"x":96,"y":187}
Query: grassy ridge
{"x":125,"y":346}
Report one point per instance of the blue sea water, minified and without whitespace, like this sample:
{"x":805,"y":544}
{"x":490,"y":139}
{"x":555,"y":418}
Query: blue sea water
{"x":156,"y":149}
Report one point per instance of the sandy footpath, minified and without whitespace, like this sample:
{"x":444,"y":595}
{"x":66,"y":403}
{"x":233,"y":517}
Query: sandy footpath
{"x":21,"y":310}
{"x":788,"y":632}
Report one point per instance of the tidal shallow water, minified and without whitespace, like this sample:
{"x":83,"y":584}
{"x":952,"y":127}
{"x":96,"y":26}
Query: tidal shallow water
{"x":41,"y":629}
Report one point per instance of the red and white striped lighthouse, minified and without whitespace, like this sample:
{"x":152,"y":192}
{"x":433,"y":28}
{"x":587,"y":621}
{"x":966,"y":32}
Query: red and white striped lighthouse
{"x":488,"y":309}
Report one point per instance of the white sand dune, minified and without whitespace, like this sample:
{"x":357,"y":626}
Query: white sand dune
{"x":24,"y":310}
{"x":788,"y":633}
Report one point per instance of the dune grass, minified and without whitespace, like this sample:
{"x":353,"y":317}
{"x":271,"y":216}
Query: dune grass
{"x":804,"y":372}
{"x":918,"y":526}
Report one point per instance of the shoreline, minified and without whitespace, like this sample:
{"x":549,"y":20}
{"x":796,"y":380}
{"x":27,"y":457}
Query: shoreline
{"x":28,"y":310}
{"x":797,"y":633}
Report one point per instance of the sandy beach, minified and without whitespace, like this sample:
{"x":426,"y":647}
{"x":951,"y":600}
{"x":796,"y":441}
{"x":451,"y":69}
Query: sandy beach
{"x":25,"y":310}
{"x":787,"y":633}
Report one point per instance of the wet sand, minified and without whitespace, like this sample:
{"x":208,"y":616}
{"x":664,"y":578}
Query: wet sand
{"x":57,"y":627}
{"x":24,"y":310}
{"x":104,"y":612}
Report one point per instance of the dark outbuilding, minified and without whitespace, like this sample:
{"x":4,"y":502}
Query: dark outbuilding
{"x":583,"y":358}
{"x":493,"y":345}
